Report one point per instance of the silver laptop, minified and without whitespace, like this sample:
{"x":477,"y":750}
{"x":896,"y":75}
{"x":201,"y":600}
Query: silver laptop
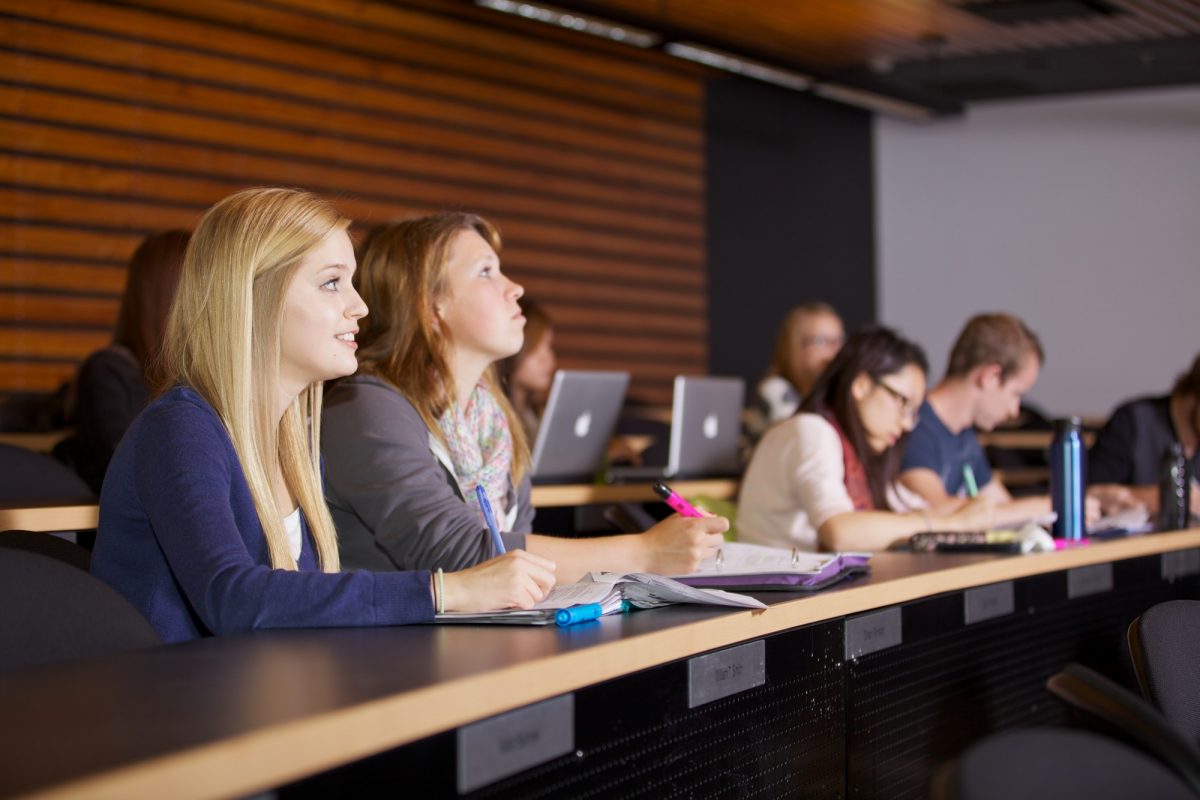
{"x":706,"y":428}
{"x":581,"y":414}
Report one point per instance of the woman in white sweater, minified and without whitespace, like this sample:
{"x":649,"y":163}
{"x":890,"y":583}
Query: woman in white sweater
{"x":825,"y":479}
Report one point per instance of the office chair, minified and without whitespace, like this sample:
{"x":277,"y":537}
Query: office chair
{"x":1101,"y":704}
{"x":1164,"y":646}
{"x":51,"y":611}
{"x":1050,"y":764}
{"x":48,"y":545}
{"x":33,"y":478}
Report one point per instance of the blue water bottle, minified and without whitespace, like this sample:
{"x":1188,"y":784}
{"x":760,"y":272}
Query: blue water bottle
{"x":1067,"y":480}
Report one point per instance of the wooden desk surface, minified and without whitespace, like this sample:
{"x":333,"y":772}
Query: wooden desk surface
{"x":584,"y":494}
{"x":50,"y":518}
{"x":244,"y":713}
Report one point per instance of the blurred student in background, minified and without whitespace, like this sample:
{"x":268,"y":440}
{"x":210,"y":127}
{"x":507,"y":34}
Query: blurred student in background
{"x":994,"y":363}
{"x":825,"y":479}
{"x":807,"y":341}
{"x":1128,"y":449}
{"x":527,"y":375}
{"x":113,"y":384}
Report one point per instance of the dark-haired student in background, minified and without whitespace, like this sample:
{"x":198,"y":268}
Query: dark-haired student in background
{"x":1128,"y":449}
{"x":527,"y":376}
{"x":113,"y":384}
{"x":825,"y":479}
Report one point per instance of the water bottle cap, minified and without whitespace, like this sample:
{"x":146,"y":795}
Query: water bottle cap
{"x":1067,"y":424}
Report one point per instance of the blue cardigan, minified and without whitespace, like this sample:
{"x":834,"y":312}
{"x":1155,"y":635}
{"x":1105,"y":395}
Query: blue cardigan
{"x":180,"y":539}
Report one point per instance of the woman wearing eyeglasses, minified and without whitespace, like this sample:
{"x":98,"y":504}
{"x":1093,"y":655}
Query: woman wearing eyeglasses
{"x":825,"y":479}
{"x":808,"y":339}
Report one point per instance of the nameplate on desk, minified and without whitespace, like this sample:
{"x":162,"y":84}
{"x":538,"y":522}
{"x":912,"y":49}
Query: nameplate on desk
{"x":1085,"y":581}
{"x":726,"y":672}
{"x":505,"y":745}
{"x":1180,"y":564}
{"x":988,"y":602}
{"x":870,"y":633}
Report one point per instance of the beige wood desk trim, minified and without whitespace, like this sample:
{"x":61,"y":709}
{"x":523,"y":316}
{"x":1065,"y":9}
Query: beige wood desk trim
{"x":1022,"y":476}
{"x":275,"y":754}
{"x":50,"y":518}
{"x":585,"y":494}
{"x":1025,"y":440}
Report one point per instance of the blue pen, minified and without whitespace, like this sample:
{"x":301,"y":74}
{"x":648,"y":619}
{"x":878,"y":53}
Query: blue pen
{"x":490,"y":519}
{"x":584,"y":613}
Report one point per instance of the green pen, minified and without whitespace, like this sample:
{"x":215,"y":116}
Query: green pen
{"x":969,"y":480}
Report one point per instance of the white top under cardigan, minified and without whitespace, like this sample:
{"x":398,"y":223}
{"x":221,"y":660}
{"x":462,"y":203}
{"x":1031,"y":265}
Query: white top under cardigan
{"x":796,"y":482}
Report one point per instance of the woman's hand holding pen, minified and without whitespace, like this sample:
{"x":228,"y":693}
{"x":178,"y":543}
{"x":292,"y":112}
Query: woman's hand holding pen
{"x":977,"y":514}
{"x":517,"y":579}
{"x":678,"y":544}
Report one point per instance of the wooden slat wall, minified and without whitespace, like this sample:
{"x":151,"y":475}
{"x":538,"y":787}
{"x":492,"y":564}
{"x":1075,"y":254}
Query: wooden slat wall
{"x":120,"y":119}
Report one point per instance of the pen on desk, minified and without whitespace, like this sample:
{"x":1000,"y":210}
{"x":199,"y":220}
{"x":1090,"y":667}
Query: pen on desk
{"x":490,"y":519}
{"x":575,"y":614}
{"x":969,"y":480}
{"x":675,"y":501}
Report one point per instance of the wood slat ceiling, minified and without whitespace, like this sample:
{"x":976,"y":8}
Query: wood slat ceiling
{"x":943,"y":50}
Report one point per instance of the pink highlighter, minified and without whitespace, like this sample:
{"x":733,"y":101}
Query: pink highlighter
{"x":675,"y":501}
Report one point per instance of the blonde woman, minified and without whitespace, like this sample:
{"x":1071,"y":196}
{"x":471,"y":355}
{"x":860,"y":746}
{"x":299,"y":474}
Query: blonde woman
{"x":806,"y":342}
{"x":410,"y":440}
{"x":212,"y":518}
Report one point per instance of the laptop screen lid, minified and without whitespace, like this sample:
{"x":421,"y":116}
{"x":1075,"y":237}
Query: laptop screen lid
{"x":581,"y":414}
{"x":706,"y":426}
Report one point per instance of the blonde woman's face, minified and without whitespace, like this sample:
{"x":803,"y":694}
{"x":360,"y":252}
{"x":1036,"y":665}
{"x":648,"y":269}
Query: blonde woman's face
{"x":819,"y":337}
{"x":320,"y":317}
{"x":480,"y":310}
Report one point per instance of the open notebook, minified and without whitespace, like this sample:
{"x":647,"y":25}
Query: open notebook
{"x":609,"y":590}
{"x":755,"y":568}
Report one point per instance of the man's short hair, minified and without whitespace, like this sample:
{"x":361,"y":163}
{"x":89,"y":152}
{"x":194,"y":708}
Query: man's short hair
{"x":993,"y":339}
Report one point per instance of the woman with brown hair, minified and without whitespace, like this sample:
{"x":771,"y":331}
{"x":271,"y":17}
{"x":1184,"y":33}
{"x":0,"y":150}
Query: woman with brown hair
{"x":423,"y":430}
{"x":527,"y":376}
{"x":113,"y":384}
{"x":825,"y":479}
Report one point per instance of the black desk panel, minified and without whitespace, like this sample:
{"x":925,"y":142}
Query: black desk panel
{"x":635,"y":737}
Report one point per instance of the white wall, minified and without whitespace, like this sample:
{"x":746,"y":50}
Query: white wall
{"x":1081,"y":215}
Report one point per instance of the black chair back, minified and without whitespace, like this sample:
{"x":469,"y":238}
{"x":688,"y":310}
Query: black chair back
{"x":34,"y":478}
{"x":48,"y":545}
{"x":1164,"y":645}
{"x":1052,"y":764}
{"x":1102,"y":704}
{"x":51,"y":611}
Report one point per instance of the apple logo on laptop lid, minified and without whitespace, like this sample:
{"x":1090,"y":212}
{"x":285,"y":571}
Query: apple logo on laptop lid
{"x":583,"y":424}
{"x":710,"y":426}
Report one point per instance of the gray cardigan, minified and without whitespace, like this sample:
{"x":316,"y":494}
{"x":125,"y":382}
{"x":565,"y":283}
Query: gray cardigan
{"x":395,"y":503}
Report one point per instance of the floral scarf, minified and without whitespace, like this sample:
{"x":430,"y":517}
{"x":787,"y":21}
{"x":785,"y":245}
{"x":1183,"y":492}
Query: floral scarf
{"x":481,"y":448}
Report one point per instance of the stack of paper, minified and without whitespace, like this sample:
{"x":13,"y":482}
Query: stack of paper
{"x":752,"y":567}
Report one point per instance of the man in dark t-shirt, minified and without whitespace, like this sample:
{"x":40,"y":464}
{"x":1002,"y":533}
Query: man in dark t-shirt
{"x":994,"y":362}
{"x":1127,"y":451}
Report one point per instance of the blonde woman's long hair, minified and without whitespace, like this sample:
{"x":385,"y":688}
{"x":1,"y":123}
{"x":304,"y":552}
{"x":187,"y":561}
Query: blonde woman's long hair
{"x":223,"y":340}
{"x":401,"y":277}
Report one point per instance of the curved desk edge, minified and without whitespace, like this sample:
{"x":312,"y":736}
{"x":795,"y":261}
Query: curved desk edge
{"x":275,"y":755}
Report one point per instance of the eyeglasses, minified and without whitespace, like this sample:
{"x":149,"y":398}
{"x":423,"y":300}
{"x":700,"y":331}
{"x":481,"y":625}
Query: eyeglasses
{"x":823,"y":341}
{"x":908,"y":409}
